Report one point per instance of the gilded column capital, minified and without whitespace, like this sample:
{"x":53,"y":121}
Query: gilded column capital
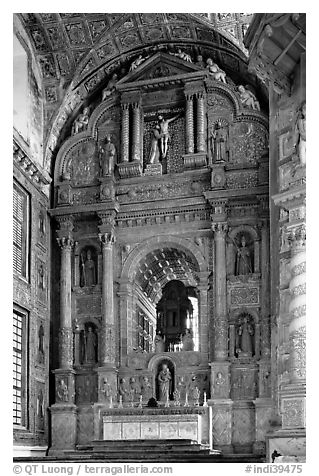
{"x":107,"y":220}
{"x":65,"y":242}
{"x":107,"y":239}
{"x":220,"y":228}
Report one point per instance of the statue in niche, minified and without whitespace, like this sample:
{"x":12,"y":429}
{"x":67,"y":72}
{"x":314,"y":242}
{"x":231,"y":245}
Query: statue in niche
{"x":90,"y":346}
{"x":88,"y":272}
{"x":155,"y":146}
{"x":200,"y":62}
{"x":300,"y":131}
{"x":187,"y":340}
{"x":146,"y":389}
{"x":159,"y":342}
{"x":136,"y":63}
{"x":215,"y":71}
{"x":165,"y":137}
{"x":182,"y":55}
{"x":110,"y":88}
{"x":62,"y":391}
{"x":219,"y":142}
{"x":248,"y":99}
{"x":40,"y":345}
{"x":106,"y":390}
{"x":107,"y":156}
{"x":81,"y":122}
{"x":124,"y":390}
{"x":219,"y":384}
{"x":243,"y":260}
{"x":245,"y":337}
{"x":165,"y":382}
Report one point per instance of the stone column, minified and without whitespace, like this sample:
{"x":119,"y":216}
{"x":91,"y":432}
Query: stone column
{"x":66,"y":333}
{"x":136,"y":137}
{"x":265,"y":312}
{"x":221,"y":322}
{"x":125,"y":132}
{"x":201,"y":144}
{"x":203,"y":321}
{"x":125,"y":294}
{"x":189,"y":123}
{"x":107,"y":353}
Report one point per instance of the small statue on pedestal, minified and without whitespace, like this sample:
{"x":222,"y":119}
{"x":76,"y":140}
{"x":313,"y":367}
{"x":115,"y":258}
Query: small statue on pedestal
{"x":81,"y":122}
{"x":159,"y":342}
{"x":106,"y":390}
{"x":219,"y":384}
{"x":248,"y":99}
{"x":135,"y":388}
{"x":300,"y":131}
{"x":164,"y":380}
{"x":200,"y":62}
{"x":219,"y":142}
{"x":146,"y":389}
{"x":124,"y":391}
{"x":177,"y":397}
{"x":188,"y":341}
{"x":107,"y":157}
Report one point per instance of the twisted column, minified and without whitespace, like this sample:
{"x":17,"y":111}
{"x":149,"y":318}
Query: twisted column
{"x":297,"y":307}
{"x":189,"y":123}
{"x":107,"y":353}
{"x":221,"y":323}
{"x":125,"y":139}
{"x":201,"y":145}
{"x":136,"y":139}
{"x":66,"y":332}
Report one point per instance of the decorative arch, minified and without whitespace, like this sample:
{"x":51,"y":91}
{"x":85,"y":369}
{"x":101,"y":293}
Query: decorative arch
{"x":244,"y":310}
{"x":152,"y":244}
{"x":244,"y":228}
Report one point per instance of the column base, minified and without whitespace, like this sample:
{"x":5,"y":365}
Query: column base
{"x":130,"y":169}
{"x":195,"y":161}
{"x":218,"y":176}
{"x":107,"y":190}
{"x":221,"y":423}
{"x":263,"y":420}
{"x":64,"y":427}
{"x":293,"y":405}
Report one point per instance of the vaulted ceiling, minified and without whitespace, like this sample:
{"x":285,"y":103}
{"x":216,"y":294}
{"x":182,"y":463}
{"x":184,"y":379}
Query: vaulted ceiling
{"x":77,"y":53}
{"x":162,"y":266}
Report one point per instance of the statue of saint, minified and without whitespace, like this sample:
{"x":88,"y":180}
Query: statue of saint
{"x":159,"y":342}
{"x":187,"y":340}
{"x":164,"y":381}
{"x":182,"y":55}
{"x":124,"y":390}
{"x":88,"y":273}
{"x":246,"y":332}
{"x":146,"y":389}
{"x":136,"y":63}
{"x":110,"y":88}
{"x":107,"y":154}
{"x":182,"y":387}
{"x":155,"y":151}
{"x":219,"y":142}
{"x":243,"y":262}
{"x":177,"y":397}
{"x":62,"y":391}
{"x":106,"y":390}
{"x":248,"y":99}
{"x":135,"y":389}
{"x":165,"y":137}
{"x":219,"y":384}
{"x":81,"y":122}
{"x":300,"y":131}
{"x":90,"y":346}
{"x":215,"y":71}
{"x":200,"y":62}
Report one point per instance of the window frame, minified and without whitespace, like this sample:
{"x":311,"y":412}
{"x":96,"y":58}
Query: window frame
{"x":24,"y":318}
{"x":26,"y":224}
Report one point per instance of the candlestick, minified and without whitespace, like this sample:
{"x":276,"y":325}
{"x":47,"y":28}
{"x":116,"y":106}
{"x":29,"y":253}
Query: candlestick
{"x":121,"y":402}
{"x":186,"y":400}
{"x":205,"y":400}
